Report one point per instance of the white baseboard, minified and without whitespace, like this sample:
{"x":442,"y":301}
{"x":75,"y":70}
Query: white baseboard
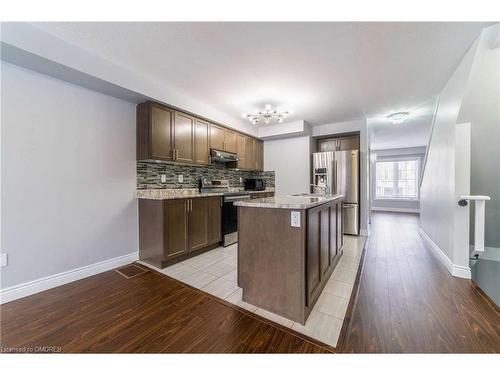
{"x":454,"y":269}
{"x":396,"y":209}
{"x":26,"y":289}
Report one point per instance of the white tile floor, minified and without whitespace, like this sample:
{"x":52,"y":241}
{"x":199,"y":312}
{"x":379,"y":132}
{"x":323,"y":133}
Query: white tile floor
{"x":215,"y":272}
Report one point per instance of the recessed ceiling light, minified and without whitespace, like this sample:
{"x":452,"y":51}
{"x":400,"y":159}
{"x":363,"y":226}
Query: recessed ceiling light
{"x":398,"y":117}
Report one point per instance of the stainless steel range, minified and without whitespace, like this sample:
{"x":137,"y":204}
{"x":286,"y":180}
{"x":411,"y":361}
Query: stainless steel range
{"x":229,"y":211}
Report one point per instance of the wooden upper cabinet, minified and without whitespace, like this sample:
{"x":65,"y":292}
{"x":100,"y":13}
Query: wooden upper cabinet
{"x":201,"y":145}
{"x":348,"y":143}
{"x":240,"y":150}
{"x":217,"y":137}
{"x":249,"y":153}
{"x":170,"y":135}
{"x":183,"y":137}
{"x":259,"y":155}
{"x":154,"y":132}
{"x":230,"y":141}
{"x":339,"y":143}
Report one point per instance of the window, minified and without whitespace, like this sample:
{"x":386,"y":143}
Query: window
{"x":397,"y":179}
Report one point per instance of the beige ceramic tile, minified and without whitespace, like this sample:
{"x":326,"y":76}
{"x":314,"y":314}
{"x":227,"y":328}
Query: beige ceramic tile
{"x":232,"y":260}
{"x":199,"y":262}
{"x":322,"y":327}
{"x":179,"y":271}
{"x":219,"y":269}
{"x":199,"y":279}
{"x":345,"y":276}
{"x":338,"y":288}
{"x":216,"y":255}
{"x":231,"y":276}
{"x":235,"y":299}
{"x":220,"y":288}
{"x":332,"y":305}
{"x":274,"y":317}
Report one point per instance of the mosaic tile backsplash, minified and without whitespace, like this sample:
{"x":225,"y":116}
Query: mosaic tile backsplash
{"x":149,"y":175}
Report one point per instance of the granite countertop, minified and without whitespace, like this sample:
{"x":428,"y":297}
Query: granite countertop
{"x":289,"y":202}
{"x":162,"y":194}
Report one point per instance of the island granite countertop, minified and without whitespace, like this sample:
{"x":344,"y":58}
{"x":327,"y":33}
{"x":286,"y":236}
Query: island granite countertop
{"x":162,"y":194}
{"x":289,"y":202}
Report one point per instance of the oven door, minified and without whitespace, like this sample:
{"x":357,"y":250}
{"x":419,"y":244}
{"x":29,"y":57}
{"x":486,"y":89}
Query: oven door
{"x":230,"y":219}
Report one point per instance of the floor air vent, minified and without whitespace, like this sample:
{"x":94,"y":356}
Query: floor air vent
{"x":130,"y":271}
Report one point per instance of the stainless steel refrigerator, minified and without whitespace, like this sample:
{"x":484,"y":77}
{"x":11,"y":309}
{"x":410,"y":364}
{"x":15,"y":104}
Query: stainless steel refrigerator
{"x":338,"y":172}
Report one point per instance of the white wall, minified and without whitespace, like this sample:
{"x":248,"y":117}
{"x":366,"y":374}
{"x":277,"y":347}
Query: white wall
{"x":290,"y":158}
{"x":481,"y":108}
{"x":30,"y":47}
{"x":438,"y":193}
{"x":395,"y":204}
{"x":346,"y":127}
{"x":68,"y":176}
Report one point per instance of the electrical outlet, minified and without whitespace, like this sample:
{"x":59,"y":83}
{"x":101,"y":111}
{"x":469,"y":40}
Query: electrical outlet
{"x":295,"y":219}
{"x":241,"y":180}
{"x":3,"y":259}
{"x":180,"y":178}
{"x":163,"y":178}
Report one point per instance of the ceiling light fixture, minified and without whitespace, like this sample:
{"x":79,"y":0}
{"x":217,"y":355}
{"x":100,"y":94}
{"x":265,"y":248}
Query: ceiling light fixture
{"x":267,"y":115}
{"x":398,"y":117}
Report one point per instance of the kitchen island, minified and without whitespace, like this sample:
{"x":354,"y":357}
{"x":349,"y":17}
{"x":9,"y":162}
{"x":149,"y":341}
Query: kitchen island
{"x":288,"y":248}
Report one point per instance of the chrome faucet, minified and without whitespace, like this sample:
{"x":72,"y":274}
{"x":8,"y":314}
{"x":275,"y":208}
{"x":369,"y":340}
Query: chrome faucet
{"x":325,"y":188}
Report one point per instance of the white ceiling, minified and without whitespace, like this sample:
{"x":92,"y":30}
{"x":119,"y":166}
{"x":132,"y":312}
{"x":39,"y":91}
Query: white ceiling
{"x":324,"y":72}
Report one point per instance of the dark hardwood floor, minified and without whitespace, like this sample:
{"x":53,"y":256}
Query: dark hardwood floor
{"x":149,"y":313}
{"x":407,"y":302}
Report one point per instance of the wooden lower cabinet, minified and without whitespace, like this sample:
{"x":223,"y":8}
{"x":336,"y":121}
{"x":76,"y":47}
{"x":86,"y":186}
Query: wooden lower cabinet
{"x":175,"y":229}
{"x":214,"y":219}
{"x":176,"y":222}
{"x":323,"y":248}
{"x":198,"y":223}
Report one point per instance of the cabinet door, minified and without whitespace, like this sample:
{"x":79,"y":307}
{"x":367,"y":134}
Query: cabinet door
{"x":327,"y":145}
{"x":325,"y":240}
{"x":217,"y":137}
{"x":201,"y":149}
{"x":176,"y":227}
{"x":198,"y":223}
{"x":240,"y":150}
{"x":348,"y":143}
{"x":340,"y":228}
{"x":229,"y":141}
{"x":313,"y":264}
{"x":333,"y":231}
{"x":161,"y":133}
{"x":259,"y":155}
{"x":184,"y":137}
{"x":249,"y":153}
{"x":214,"y":219}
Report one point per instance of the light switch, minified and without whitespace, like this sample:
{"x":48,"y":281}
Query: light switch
{"x":3,"y":259}
{"x":295,"y":219}
{"x":163,"y":178}
{"x":180,"y":178}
